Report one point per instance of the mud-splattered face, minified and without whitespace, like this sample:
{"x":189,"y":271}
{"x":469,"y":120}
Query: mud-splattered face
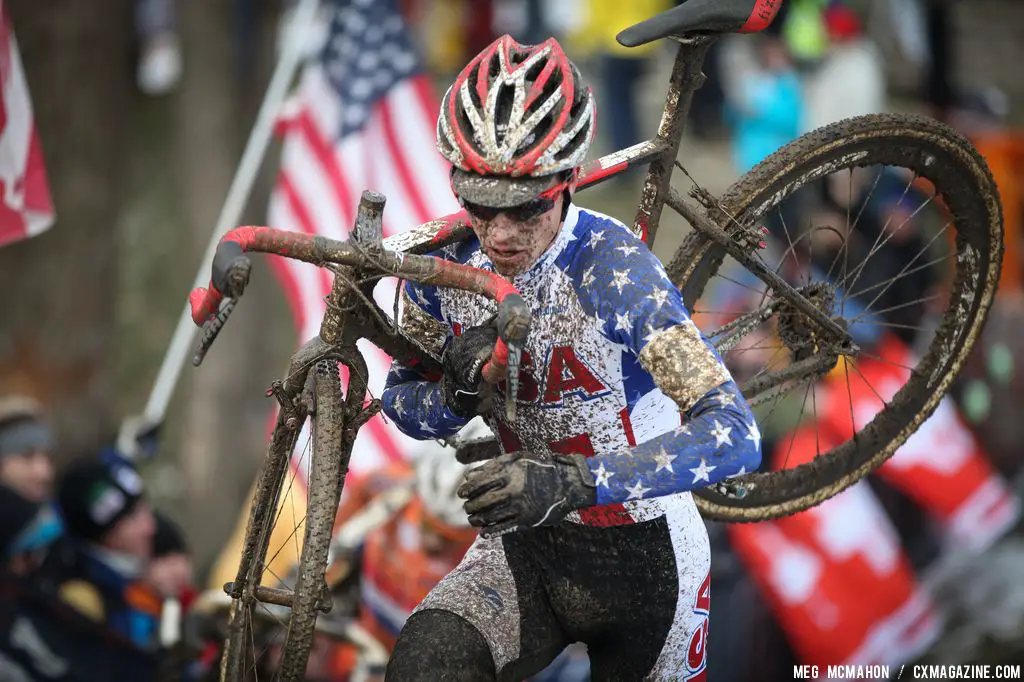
{"x":513,"y":246}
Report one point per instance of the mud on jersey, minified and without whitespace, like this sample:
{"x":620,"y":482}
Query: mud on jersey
{"x":599,"y":299}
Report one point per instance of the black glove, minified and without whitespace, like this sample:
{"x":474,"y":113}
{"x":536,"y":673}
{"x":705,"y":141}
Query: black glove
{"x":522,"y":490}
{"x":463,"y":387}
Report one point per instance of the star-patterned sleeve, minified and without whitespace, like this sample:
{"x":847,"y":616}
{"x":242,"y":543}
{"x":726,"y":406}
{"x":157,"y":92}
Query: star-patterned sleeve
{"x":411,"y":401}
{"x":630,"y":295}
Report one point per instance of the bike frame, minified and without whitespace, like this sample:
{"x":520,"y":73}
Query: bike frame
{"x":352,"y":313}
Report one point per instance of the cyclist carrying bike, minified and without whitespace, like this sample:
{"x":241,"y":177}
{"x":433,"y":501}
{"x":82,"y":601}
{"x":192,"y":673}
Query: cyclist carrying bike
{"x":623,"y":407}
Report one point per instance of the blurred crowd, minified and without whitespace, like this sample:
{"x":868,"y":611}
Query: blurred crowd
{"x":94,"y":578}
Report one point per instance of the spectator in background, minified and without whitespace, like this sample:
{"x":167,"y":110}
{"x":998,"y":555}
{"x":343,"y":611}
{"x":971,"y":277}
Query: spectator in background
{"x":159,"y":68}
{"x":850,"y":80}
{"x":112,"y":528}
{"x":27,"y":530}
{"x":767,"y":111}
{"x":26,"y":448}
{"x":622,"y":68}
{"x":801,"y":25}
{"x":41,"y":638}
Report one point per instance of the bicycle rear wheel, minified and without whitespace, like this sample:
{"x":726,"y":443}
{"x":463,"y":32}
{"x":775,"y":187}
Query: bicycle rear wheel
{"x":256,"y":648}
{"x":916,"y":342}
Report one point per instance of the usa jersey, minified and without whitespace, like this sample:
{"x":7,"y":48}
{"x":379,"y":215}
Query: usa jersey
{"x":599,"y":297}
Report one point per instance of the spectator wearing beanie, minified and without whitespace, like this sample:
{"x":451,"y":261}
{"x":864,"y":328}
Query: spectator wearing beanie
{"x":27,"y":530}
{"x":26,"y":448}
{"x":112,"y":528}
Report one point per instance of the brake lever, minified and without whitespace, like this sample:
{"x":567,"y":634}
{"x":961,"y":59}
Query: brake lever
{"x":515,"y":352}
{"x":211,"y":328}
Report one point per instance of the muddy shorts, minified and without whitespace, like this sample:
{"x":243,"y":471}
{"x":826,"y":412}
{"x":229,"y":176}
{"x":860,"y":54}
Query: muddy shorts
{"x":637,"y":595}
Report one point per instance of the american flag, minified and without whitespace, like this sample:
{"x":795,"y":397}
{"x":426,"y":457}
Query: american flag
{"x":364,"y":118}
{"x":25,"y":205}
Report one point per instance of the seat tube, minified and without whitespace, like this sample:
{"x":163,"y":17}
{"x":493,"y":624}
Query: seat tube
{"x":686,"y":78}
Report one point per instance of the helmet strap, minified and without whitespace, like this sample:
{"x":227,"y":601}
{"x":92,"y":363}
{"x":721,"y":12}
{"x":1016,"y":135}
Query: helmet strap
{"x":570,"y":187}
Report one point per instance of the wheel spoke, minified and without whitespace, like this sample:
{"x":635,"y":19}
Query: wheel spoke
{"x":913,"y":260}
{"x":860,"y":269}
{"x":849,"y":396}
{"x":898,"y":306}
{"x":741,"y":284}
{"x":881,"y":232}
{"x":294,"y":532}
{"x":744,"y":349}
{"x":869,"y":384}
{"x":792,"y":246}
{"x":814,"y":408}
{"x":886,"y":361}
{"x":799,"y":419}
{"x":905,"y":274}
{"x":894,"y":325}
{"x":768,"y":365}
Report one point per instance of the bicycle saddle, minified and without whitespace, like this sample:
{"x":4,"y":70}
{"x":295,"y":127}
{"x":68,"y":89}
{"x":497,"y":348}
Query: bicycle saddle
{"x":703,"y":16}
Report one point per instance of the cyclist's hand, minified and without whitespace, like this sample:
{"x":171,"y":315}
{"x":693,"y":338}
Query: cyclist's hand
{"x":463,"y":387}
{"x":514,"y":491}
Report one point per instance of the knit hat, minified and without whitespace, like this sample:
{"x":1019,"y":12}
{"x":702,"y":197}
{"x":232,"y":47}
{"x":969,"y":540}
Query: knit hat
{"x":842,"y":24}
{"x":94,"y":496}
{"x":21,"y":427}
{"x":25,"y":525}
{"x":168,"y":538}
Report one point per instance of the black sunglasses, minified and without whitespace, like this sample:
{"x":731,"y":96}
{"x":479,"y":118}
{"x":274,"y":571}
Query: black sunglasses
{"x":519,"y":213}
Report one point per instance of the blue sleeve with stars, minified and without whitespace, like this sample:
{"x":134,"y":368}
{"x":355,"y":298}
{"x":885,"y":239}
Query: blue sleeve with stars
{"x":414,"y":404}
{"x":627,"y":290}
{"x":718,"y":440}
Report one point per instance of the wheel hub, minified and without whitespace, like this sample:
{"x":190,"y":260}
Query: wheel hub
{"x":800,"y":335}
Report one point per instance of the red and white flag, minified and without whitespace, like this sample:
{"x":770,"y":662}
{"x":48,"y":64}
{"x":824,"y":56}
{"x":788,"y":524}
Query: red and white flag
{"x":837,"y":576}
{"x":25,"y":205}
{"x":364,"y":118}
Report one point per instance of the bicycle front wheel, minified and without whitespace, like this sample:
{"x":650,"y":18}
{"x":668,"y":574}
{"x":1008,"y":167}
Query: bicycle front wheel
{"x":270,"y":631}
{"x":891,"y":224}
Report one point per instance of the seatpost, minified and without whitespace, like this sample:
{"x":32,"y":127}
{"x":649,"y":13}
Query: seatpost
{"x":368,"y":235}
{"x":686,"y":78}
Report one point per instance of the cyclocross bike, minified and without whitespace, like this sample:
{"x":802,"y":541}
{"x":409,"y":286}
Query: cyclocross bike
{"x":950,"y":227}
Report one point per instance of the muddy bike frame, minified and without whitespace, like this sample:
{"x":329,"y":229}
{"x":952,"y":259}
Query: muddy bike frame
{"x":361,"y":261}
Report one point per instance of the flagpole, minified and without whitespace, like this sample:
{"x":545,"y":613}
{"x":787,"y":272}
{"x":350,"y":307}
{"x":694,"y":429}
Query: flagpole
{"x":238,"y":194}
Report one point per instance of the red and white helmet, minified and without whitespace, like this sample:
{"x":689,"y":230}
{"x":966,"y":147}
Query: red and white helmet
{"x":518,"y":111}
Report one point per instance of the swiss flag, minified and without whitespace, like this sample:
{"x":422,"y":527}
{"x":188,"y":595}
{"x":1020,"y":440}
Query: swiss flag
{"x":25,"y":205}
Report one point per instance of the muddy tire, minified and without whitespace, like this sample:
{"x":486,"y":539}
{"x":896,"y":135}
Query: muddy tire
{"x":959,"y":174}
{"x":325,"y":484}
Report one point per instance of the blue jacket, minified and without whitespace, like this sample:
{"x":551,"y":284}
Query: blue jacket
{"x":768,"y":117}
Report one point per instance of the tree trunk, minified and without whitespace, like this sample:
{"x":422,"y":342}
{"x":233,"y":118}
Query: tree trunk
{"x":224,"y":410}
{"x":57,"y":290}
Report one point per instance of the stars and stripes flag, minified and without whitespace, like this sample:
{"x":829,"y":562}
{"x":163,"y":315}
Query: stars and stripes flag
{"x":25,"y":205}
{"x":364,"y":118}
